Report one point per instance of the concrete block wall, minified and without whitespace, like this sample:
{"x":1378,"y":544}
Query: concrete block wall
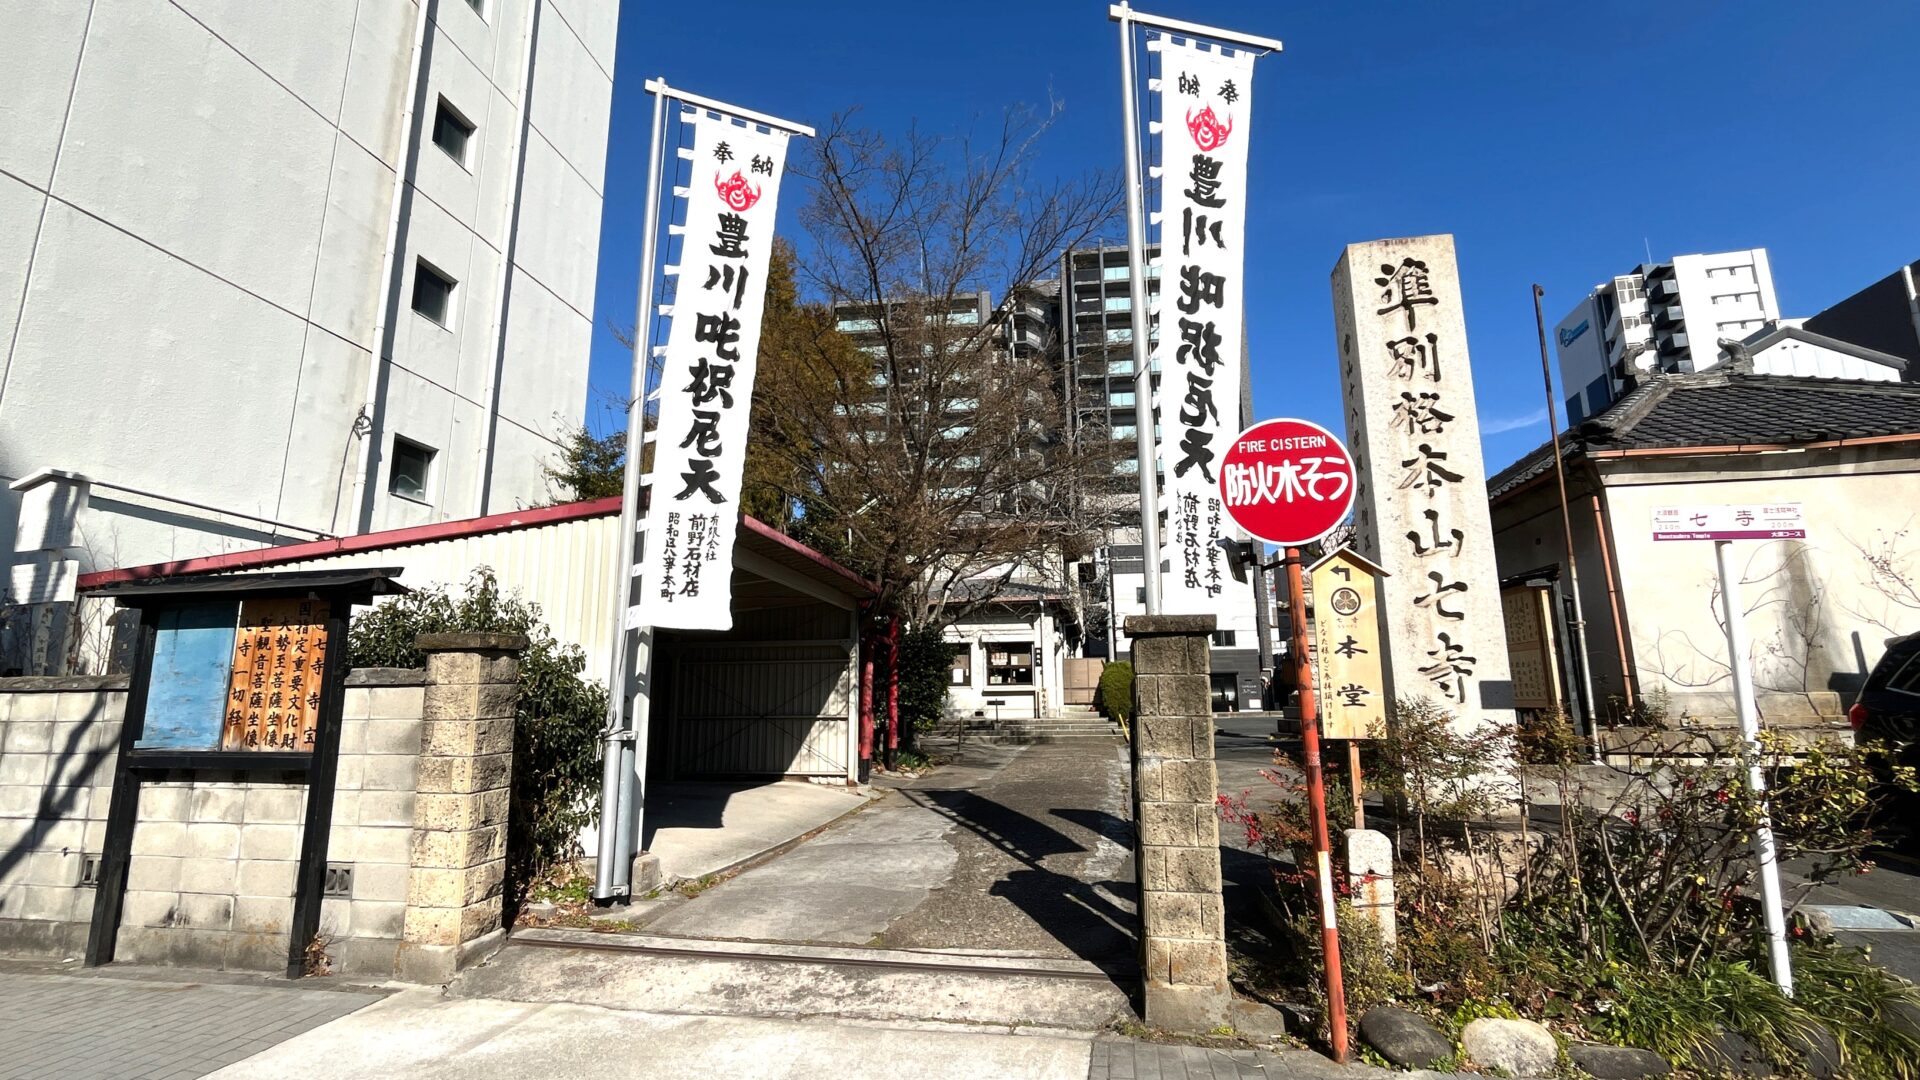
{"x":58,"y":740}
{"x":215,"y":857}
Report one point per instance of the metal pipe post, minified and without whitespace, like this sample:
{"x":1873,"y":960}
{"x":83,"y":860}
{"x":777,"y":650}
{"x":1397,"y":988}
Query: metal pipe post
{"x":613,"y":866}
{"x":1317,"y":809}
{"x":1749,"y":710}
{"x":893,"y":690}
{"x":1144,"y":413}
{"x":1583,"y":664}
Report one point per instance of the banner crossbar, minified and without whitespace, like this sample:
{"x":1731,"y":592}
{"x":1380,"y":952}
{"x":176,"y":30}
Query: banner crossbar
{"x":1125,"y":14}
{"x":660,"y":87}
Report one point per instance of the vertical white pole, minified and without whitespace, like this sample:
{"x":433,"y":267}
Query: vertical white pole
{"x":619,"y":824}
{"x":1749,"y":711}
{"x":1143,"y":405}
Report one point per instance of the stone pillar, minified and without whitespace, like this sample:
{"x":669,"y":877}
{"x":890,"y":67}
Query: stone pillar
{"x":1184,"y":949}
{"x":1370,"y":879}
{"x":459,"y":845}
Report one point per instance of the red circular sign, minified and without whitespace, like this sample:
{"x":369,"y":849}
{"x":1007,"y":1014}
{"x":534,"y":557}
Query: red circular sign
{"x":1288,"y":482}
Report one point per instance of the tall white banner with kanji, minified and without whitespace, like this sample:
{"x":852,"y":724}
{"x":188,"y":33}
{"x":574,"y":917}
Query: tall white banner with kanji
{"x":1206,"y":105}
{"x":706,"y":383}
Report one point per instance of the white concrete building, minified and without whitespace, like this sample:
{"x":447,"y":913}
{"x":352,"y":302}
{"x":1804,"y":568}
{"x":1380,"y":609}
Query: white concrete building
{"x":1667,"y":316}
{"x":1787,"y":347}
{"x":273,"y":272}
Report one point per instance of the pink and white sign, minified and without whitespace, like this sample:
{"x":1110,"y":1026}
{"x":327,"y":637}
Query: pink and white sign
{"x":1755,"y":521}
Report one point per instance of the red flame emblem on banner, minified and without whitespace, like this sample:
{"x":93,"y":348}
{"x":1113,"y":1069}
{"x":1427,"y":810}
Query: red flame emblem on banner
{"x":739,"y":193}
{"x":1208,"y":132}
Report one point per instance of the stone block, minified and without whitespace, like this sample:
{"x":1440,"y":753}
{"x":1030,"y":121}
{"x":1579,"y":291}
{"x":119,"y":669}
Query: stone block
{"x":349,"y":774}
{"x":154,"y":873}
{"x":24,"y":770}
{"x":387,"y":807}
{"x":47,"y":903}
{"x":353,"y":705}
{"x":217,"y":840}
{"x":1166,"y":824}
{"x":270,"y":842}
{"x":428,"y":964}
{"x":461,"y":812}
{"x":1163,"y":736}
{"x":56,"y":868}
{"x":20,"y":800}
{"x":380,"y":882}
{"x":268,"y":879}
{"x":1193,"y":1009}
{"x":1188,"y":781}
{"x":390,"y":772}
{"x":28,"y":736}
{"x":464,"y":775}
{"x":93,"y":768}
{"x":382,"y":843}
{"x":1198,"y":963}
{"x":429,"y":887}
{"x":394,"y":736}
{"x":218,"y":803}
{"x":255,"y":952}
{"x":200,"y":911}
{"x":164,"y":802}
{"x":466,"y":738}
{"x":353,"y":736}
{"x":432,"y":926}
{"x":497,"y":701}
{"x":346,"y":809}
{"x":278,"y":805}
{"x":365,"y":957}
{"x":1191,"y":870}
{"x":209,"y":876}
{"x":1160,"y":655}
{"x":395,"y":703}
{"x":378,"y":919}
{"x":160,"y":838}
{"x":140,"y":908}
{"x":63,"y":833}
{"x":1159,"y":961}
{"x":1183,"y":915}
{"x":457,"y":850}
{"x":453,"y":667}
{"x":500,"y":669}
{"x":1179,"y":695}
{"x":34,"y":709}
{"x":336,"y":917}
{"x":459,"y":701}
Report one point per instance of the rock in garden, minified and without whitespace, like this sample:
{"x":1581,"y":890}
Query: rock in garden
{"x":1904,"y":1017}
{"x":1603,"y":1062}
{"x":1730,"y":1052}
{"x":1404,"y":1037}
{"x":1518,"y":1047}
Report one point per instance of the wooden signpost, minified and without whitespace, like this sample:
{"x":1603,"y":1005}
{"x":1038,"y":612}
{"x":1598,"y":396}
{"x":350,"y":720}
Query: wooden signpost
{"x":1350,"y":678}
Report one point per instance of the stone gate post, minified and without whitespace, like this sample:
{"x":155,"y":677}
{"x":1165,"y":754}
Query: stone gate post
{"x":459,"y":847}
{"x":1177,"y":828}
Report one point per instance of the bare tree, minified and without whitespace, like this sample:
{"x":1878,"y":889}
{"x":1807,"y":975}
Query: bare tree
{"x":939,"y":456}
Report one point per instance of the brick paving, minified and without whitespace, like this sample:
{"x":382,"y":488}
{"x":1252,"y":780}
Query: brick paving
{"x":80,"y":1027}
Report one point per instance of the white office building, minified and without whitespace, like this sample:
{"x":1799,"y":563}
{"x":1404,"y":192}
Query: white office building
{"x":1667,"y":316}
{"x":274,"y":272}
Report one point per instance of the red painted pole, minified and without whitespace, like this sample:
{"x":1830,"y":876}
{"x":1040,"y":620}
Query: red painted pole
{"x":1317,"y":806}
{"x":866,"y":698}
{"x":893,"y":688}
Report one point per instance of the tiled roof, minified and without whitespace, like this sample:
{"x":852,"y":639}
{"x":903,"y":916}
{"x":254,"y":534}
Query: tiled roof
{"x":1731,"y":408}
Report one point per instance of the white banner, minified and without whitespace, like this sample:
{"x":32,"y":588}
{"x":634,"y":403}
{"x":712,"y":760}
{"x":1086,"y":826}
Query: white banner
{"x":1206,"y":101}
{"x":706,"y":384}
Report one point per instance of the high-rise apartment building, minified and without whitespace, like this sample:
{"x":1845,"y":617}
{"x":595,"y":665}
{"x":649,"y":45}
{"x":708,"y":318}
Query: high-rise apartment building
{"x":1667,"y":317}
{"x":271,"y":272}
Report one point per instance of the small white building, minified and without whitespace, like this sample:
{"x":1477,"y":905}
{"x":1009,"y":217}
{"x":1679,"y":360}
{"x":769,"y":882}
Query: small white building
{"x":1786,"y":347}
{"x":1011,"y":658}
{"x":278,"y":272}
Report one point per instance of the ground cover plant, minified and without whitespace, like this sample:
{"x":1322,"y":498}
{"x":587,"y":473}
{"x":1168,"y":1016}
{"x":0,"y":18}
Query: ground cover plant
{"x":1625,"y":911}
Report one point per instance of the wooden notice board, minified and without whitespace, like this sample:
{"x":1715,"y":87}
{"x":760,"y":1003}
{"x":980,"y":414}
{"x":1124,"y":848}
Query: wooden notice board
{"x":1530,"y":647}
{"x":1349,"y":676}
{"x":279,"y":661}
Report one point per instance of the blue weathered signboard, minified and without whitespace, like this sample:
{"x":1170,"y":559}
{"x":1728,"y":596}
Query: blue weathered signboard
{"x":187,"y":693}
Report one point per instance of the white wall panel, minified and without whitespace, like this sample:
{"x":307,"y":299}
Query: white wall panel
{"x":597,"y":22}
{"x":38,"y":54}
{"x":533,"y":388}
{"x":303,"y":47}
{"x":449,"y":183}
{"x":346,"y":286}
{"x":320,"y":443}
{"x":420,"y":344}
{"x":559,"y":239}
{"x":572,"y":112}
{"x":377,"y":76}
{"x":170,"y":130}
{"x":19,"y":222}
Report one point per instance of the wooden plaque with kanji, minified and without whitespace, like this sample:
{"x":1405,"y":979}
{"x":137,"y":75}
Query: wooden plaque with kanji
{"x":279,"y":668}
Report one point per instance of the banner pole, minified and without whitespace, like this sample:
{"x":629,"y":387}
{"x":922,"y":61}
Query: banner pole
{"x":1144,"y":411}
{"x":619,"y":813}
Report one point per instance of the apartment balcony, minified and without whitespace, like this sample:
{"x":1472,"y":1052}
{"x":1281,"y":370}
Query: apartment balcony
{"x":1661,"y":290}
{"x":1667,"y":316}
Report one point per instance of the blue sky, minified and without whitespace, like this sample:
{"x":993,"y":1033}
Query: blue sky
{"x":1557,"y":141}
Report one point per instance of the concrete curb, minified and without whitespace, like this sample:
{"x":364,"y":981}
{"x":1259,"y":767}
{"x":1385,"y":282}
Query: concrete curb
{"x":915,"y":959}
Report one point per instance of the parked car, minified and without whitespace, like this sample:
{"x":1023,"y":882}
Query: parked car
{"x":1888,"y":711}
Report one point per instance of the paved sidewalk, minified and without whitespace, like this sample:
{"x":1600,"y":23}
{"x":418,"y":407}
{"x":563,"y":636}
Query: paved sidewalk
{"x":82,"y":1026}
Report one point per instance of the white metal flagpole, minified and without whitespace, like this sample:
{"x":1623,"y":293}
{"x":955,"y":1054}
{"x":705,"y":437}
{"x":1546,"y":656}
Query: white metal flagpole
{"x":1749,"y":711}
{"x":613,"y":863}
{"x":1143,"y":403}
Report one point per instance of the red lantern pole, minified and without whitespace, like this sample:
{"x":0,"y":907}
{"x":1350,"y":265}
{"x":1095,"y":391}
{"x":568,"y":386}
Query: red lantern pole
{"x":866,"y":699}
{"x":893,"y":689}
{"x":1317,"y":807}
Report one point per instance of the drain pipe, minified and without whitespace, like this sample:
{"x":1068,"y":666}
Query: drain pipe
{"x":389,"y":279}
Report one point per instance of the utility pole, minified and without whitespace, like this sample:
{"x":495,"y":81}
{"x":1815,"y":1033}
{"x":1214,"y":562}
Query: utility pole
{"x":1582,"y":665}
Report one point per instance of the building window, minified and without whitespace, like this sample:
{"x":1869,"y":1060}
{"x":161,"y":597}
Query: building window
{"x":1127,"y":467}
{"x":451,"y":131}
{"x":962,"y":666}
{"x":412,"y":467}
{"x":1223,"y":639}
{"x":1010,"y":663}
{"x":1124,"y":431}
{"x":479,"y":7}
{"x":1120,"y":337}
{"x":1117,"y":303}
{"x":432,"y":293}
{"x":857,"y":326}
{"x":964,"y":318}
{"x":1120,"y":397}
{"x":1114,"y":273}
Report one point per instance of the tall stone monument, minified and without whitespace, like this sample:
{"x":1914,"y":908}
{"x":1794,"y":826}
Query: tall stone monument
{"x":1421,"y":508}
